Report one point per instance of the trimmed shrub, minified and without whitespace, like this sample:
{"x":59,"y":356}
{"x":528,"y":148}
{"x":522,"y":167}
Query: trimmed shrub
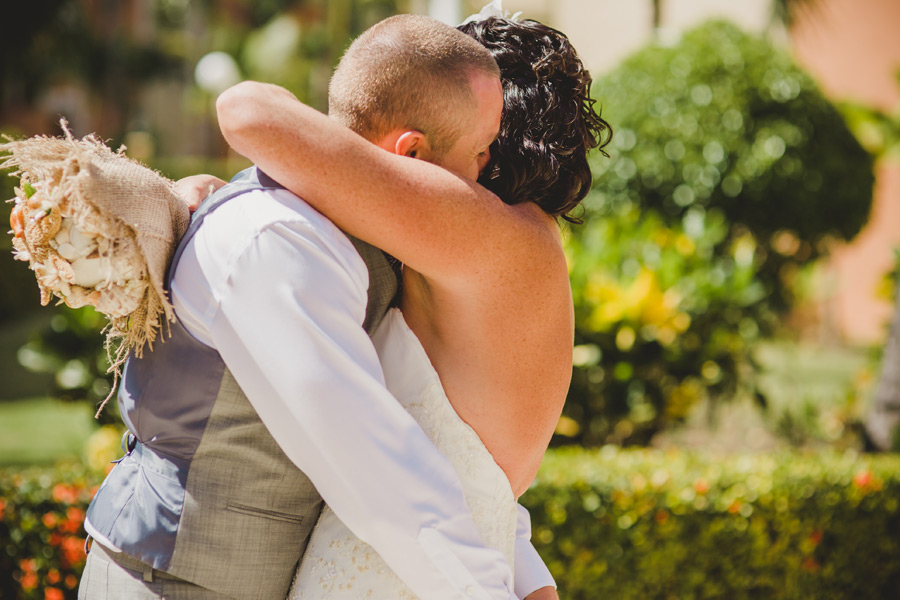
{"x":728,"y":172}
{"x":643,"y":524}
{"x":610,"y":523}
{"x":724,"y":119}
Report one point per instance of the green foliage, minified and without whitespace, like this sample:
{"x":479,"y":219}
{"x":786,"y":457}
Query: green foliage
{"x":666,"y":316}
{"x":877,"y":130}
{"x":296,"y":44}
{"x":662,"y":321}
{"x":41,"y":532}
{"x":724,"y":120}
{"x":71,"y":348}
{"x":58,"y":39}
{"x":816,"y":395}
{"x":629,"y":524}
{"x":728,"y":172}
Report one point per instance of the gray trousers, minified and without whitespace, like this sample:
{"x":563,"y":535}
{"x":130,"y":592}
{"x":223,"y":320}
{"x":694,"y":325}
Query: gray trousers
{"x":110,"y":575}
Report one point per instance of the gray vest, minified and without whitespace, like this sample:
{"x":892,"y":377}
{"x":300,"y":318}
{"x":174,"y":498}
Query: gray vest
{"x":204,"y":492}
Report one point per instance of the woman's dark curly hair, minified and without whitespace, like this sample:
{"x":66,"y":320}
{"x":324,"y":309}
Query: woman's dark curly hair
{"x":549,"y":122}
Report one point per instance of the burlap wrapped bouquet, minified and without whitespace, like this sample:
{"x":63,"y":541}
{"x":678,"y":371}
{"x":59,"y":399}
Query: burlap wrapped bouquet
{"x":98,"y":229}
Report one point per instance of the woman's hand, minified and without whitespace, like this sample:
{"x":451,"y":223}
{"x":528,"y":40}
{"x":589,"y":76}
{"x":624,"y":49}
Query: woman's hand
{"x":545,"y":593}
{"x":197,"y":188}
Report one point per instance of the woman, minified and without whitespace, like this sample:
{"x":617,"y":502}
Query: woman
{"x":485,"y":283}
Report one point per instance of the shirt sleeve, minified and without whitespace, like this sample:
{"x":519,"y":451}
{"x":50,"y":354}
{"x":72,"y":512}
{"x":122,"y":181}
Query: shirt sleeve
{"x":531,"y":572}
{"x":288,"y":325}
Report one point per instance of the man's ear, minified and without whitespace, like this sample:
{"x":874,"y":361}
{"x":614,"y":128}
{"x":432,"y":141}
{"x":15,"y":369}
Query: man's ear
{"x":413,"y":144}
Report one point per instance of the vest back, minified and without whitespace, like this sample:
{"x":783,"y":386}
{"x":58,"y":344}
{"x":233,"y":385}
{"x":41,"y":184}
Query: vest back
{"x":206,"y":494}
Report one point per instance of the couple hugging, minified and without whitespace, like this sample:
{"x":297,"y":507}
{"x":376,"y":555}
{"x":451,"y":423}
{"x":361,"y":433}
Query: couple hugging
{"x":306,"y":365}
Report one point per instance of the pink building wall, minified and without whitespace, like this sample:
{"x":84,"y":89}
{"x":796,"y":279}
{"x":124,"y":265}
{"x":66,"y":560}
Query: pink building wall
{"x":853,"y":48}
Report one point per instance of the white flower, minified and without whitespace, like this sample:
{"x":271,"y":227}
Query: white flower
{"x":125,"y":268}
{"x":120,"y":301}
{"x":494,"y":9}
{"x":91,"y":271}
{"x":83,"y":243}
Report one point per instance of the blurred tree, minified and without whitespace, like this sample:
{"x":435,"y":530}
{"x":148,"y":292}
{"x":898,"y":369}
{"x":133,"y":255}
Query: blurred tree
{"x":111,"y":49}
{"x":293,"y":43}
{"x":729,"y":170}
{"x":104,"y":49}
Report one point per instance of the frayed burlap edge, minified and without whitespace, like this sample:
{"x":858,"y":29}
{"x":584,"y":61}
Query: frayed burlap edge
{"x":63,"y":164}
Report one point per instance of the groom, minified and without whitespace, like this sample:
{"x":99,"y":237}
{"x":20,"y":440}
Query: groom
{"x":269,"y":392}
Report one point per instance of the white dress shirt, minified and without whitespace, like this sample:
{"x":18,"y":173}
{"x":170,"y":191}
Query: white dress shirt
{"x":280,"y":292}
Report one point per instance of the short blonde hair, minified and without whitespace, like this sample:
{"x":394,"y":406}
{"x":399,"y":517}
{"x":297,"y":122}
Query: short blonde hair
{"x":411,"y":72}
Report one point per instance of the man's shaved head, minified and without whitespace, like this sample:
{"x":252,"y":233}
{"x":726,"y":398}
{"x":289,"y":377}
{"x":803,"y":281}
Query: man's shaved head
{"x":409,"y":72}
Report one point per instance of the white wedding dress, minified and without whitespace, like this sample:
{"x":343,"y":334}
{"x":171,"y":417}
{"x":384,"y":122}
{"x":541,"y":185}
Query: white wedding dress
{"x":339,"y":566}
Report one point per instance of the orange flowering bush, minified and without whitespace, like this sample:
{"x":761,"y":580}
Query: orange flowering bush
{"x":42,"y":531}
{"x":610,"y":523}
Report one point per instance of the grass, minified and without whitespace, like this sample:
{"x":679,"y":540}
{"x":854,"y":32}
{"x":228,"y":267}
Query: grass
{"x":815,"y":396}
{"x":820,"y":375}
{"x":43,"y":430}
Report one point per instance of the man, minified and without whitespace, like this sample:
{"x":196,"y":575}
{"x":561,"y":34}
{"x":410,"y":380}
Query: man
{"x":269,"y":390}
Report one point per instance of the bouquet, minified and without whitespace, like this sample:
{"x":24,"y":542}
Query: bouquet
{"x":98,"y":229}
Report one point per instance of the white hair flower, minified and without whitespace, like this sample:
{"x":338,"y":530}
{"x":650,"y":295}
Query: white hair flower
{"x":494,"y":9}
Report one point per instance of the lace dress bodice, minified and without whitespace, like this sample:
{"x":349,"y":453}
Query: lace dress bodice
{"x":337,"y":565}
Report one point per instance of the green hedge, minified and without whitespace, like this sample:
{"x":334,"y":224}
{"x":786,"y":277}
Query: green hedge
{"x":641,"y":524}
{"x":620,"y":524}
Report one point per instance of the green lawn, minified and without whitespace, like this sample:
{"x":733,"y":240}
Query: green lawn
{"x":814,"y":397}
{"x":43,"y":430}
{"x":798,"y":373}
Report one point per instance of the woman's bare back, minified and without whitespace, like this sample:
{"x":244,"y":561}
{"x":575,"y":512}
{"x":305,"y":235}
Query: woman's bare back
{"x":502,"y":347}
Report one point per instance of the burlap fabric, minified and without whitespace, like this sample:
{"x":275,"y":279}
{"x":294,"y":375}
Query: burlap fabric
{"x":134,"y":211}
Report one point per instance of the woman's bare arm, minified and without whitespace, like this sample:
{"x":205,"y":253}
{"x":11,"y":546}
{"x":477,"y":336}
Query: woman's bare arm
{"x":441,"y":225}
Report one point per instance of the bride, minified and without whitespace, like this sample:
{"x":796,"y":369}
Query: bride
{"x":479,"y":351}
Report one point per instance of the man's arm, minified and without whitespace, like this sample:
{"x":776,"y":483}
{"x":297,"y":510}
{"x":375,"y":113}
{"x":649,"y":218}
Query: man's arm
{"x":286,"y":320}
{"x":533,"y":578}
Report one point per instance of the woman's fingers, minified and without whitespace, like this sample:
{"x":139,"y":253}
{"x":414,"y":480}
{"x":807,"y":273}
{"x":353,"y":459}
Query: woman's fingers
{"x":197,"y":188}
